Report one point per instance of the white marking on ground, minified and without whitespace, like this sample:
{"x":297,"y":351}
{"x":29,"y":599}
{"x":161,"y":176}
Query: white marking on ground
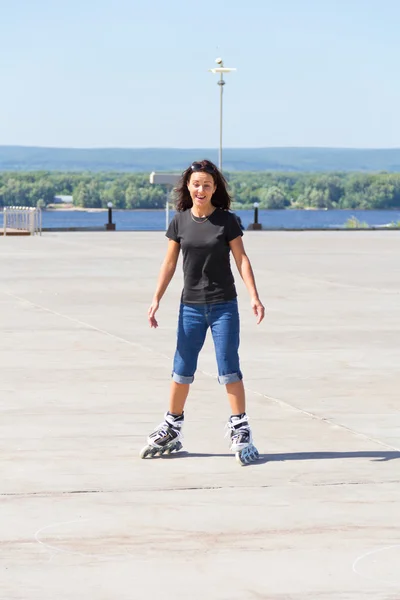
{"x":362,"y":557}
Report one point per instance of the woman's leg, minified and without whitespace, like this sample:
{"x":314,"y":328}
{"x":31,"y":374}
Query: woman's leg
{"x":177,"y":397}
{"x":192,"y":330}
{"x":225,"y":329}
{"x":236,"y":397}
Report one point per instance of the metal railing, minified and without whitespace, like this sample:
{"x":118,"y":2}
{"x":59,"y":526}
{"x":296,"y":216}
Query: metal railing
{"x":22,"y":218}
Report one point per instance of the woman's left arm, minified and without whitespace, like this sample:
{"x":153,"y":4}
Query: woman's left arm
{"x":246,"y":273}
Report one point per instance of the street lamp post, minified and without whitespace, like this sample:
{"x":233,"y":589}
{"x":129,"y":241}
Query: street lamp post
{"x":256,"y":226}
{"x":256,"y":205}
{"x":221,"y":70}
{"x":110,"y":226}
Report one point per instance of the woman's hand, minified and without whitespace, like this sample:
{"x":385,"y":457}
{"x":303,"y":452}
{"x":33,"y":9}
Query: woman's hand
{"x":151,"y":312}
{"x":258,"y":309}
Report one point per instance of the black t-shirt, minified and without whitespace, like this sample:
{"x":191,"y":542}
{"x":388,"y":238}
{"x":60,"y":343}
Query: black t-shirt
{"x":206,"y":261}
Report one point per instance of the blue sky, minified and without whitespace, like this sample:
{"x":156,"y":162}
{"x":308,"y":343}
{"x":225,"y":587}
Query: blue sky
{"x":130,"y":73}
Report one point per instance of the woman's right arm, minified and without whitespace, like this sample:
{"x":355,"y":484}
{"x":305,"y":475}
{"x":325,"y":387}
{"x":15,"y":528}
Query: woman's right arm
{"x":166,"y":273}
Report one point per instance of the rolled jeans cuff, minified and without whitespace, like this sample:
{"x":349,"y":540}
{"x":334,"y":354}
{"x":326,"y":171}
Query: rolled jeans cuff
{"x":230,"y":378}
{"x":181,"y":378}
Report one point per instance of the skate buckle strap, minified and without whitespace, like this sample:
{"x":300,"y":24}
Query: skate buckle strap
{"x":174,"y":423}
{"x":168,"y":424}
{"x":236,"y":425}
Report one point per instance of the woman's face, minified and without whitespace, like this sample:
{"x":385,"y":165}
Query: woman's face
{"x":201,"y":188}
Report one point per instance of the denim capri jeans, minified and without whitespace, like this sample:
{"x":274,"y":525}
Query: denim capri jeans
{"x":194,"y":320}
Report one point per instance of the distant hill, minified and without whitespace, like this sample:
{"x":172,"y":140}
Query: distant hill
{"x":24,"y":158}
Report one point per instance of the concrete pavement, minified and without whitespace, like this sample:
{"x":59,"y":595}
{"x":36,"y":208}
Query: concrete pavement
{"x":84,"y":380}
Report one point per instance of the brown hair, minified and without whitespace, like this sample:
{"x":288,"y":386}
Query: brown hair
{"x":220,"y":198}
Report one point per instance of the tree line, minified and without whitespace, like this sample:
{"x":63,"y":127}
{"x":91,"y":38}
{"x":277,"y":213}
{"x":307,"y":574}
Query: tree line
{"x":272,"y":190}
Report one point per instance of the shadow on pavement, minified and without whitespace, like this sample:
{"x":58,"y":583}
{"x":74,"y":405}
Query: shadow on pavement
{"x":378,"y":456}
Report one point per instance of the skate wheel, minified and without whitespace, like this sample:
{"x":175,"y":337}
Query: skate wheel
{"x":175,"y":448}
{"x":148,"y":451}
{"x":248,"y":455}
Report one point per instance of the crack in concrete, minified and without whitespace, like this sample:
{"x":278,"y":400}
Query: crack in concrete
{"x":192,"y":488}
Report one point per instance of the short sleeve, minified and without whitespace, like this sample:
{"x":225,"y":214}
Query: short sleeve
{"x":172,"y":232}
{"x":233,"y":229}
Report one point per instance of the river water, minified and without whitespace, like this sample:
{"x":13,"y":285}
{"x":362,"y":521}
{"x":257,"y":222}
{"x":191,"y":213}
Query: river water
{"x":153,"y":220}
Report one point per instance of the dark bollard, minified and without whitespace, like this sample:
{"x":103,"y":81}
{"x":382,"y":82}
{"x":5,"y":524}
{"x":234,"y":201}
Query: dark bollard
{"x":255,"y":226}
{"x":110,"y":226}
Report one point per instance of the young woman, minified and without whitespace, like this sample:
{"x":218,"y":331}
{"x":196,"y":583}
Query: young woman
{"x":206,"y":232}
